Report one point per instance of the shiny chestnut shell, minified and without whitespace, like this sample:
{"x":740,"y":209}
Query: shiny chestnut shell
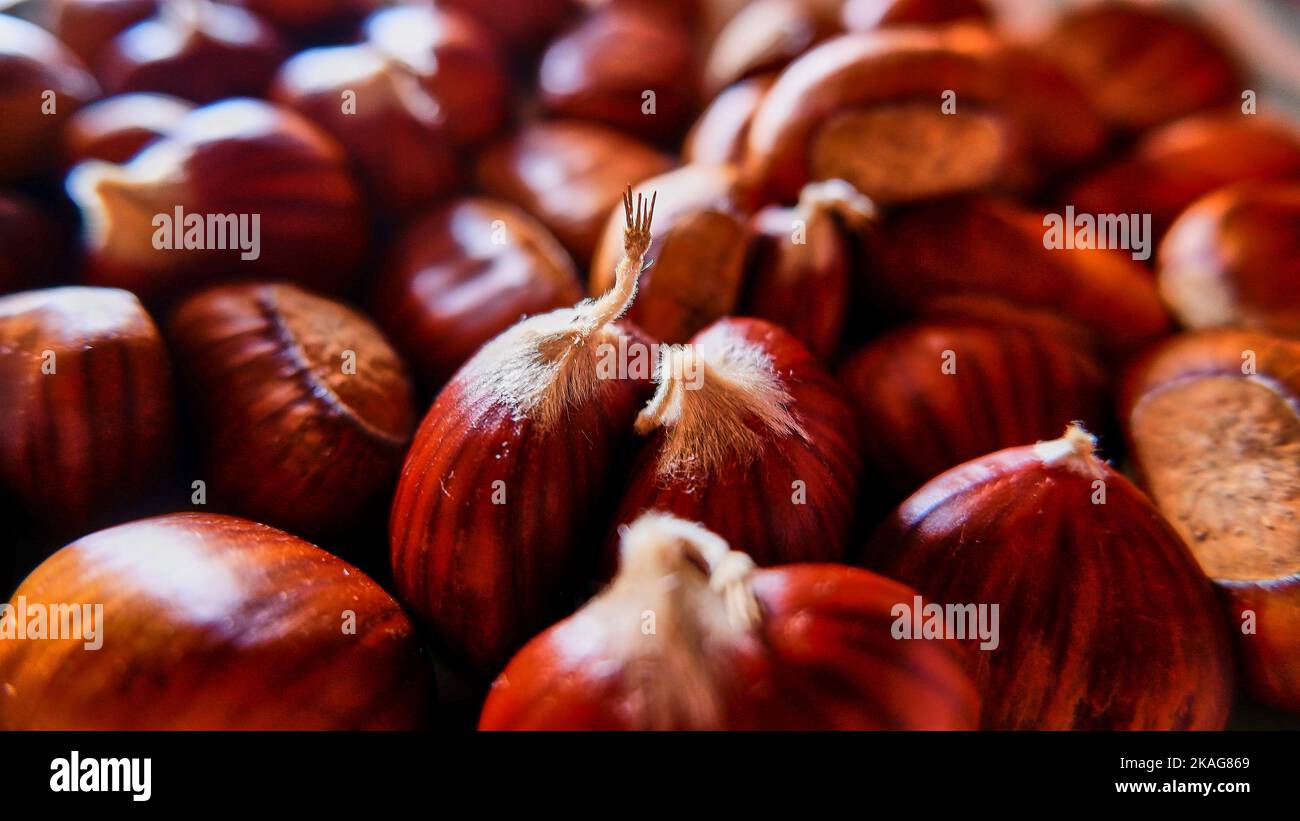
{"x":214,"y":623}
{"x":87,"y":26}
{"x":115,"y":128}
{"x":303,"y":408}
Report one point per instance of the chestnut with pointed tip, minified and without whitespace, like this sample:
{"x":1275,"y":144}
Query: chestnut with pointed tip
{"x":691,"y":636}
{"x":752,"y":438}
{"x":464,"y":272}
{"x":1049,"y":533}
{"x":1214,"y":433}
{"x":303,"y":408}
{"x":208,"y":622}
{"x":505,"y":487}
{"x":86,"y":402}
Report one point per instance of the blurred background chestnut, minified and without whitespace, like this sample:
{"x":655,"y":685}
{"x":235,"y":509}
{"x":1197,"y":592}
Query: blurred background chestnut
{"x":33,"y":244}
{"x":114,"y":129}
{"x":88,"y":26}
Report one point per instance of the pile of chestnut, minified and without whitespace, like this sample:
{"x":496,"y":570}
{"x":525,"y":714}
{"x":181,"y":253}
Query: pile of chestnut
{"x":737,"y":342}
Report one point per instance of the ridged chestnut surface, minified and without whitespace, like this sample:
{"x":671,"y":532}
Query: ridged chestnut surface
{"x":462,"y":273}
{"x":86,"y":408}
{"x":1105,"y":620}
{"x":1213,"y":422}
{"x":506,"y":484}
{"x":949,"y":390}
{"x":751,"y":438}
{"x":235,"y":158}
{"x":213,"y":623}
{"x":690,"y":636}
{"x":1233,"y":259}
{"x":303,"y":408}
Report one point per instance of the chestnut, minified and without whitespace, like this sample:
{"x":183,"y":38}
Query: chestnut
{"x":208,"y":622}
{"x":32,"y":245}
{"x":1143,"y":66}
{"x":87,"y":26}
{"x":114,"y":129}
{"x":876,"y":109}
{"x":953,"y":388}
{"x":303,"y":408}
{"x":1171,"y":167}
{"x":764,"y":36}
{"x":87,"y":408}
{"x":41,"y":84}
{"x":523,"y":25}
{"x":802,"y":267}
{"x":1047,"y":532}
{"x":457,"y":62}
{"x":864,"y":15}
{"x":753,"y":439}
{"x":718,"y":136}
{"x":699,"y":252}
{"x":395,"y":131}
{"x":569,"y":175}
{"x":274,"y":195}
{"x":505,"y":487}
{"x":627,"y":67}
{"x":690,"y":636}
{"x":1233,"y":259}
{"x":1214,"y":434}
{"x":993,"y":247}
{"x":196,"y":49}
{"x":464,"y":272}
{"x":314,"y":20}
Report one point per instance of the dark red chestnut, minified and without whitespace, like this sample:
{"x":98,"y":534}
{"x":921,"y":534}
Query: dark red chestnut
{"x":947,"y":390}
{"x":41,"y":84}
{"x":240,"y":189}
{"x":87,"y":26}
{"x":569,"y":175}
{"x":86,"y":402}
{"x":196,"y":49}
{"x":32,"y":245}
{"x":802,"y":269}
{"x":391,"y":126}
{"x":1143,"y":66}
{"x":116,"y":128}
{"x":764,"y":36}
{"x":504,"y":489}
{"x":1049,"y":534}
{"x":718,"y":136}
{"x":1214,"y":433}
{"x":457,"y":62}
{"x":1171,"y":167}
{"x":463,"y":273}
{"x":699,"y":253}
{"x":523,"y":25}
{"x":752,"y":439}
{"x":1233,"y":259}
{"x":303,"y":408}
{"x":864,"y":15}
{"x":200,"y":622}
{"x":314,"y":20}
{"x":690,"y":636}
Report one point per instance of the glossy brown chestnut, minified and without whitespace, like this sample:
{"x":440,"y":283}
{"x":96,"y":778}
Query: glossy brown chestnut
{"x":457,"y":62}
{"x":391,"y":127}
{"x":303,"y":408}
{"x":240,"y":160}
{"x":116,"y":128}
{"x":995,"y":248}
{"x":32,"y":245}
{"x":700,"y":249}
{"x":523,"y":25}
{"x":461,"y":274}
{"x":1143,"y":66}
{"x":314,"y":20}
{"x":864,"y":15}
{"x":569,"y":175}
{"x":1214,"y":433}
{"x":1171,"y":167}
{"x":718,"y":136}
{"x":753,"y":439}
{"x":626,"y":67}
{"x":764,"y":36}
{"x":196,"y":49}
{"x":801,"y":274}
{"x":868,"y":108}
{"x":41,"y":84}
{"x":949,"y":390}
{"x":1233,"y":259}
{"x":86,"y":402}
{"x":728,"y":646}
{"x":211,"y":623}
{"x":87,"y":26}
{"x":505,"y":487}
{"x":1047,"y":533}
